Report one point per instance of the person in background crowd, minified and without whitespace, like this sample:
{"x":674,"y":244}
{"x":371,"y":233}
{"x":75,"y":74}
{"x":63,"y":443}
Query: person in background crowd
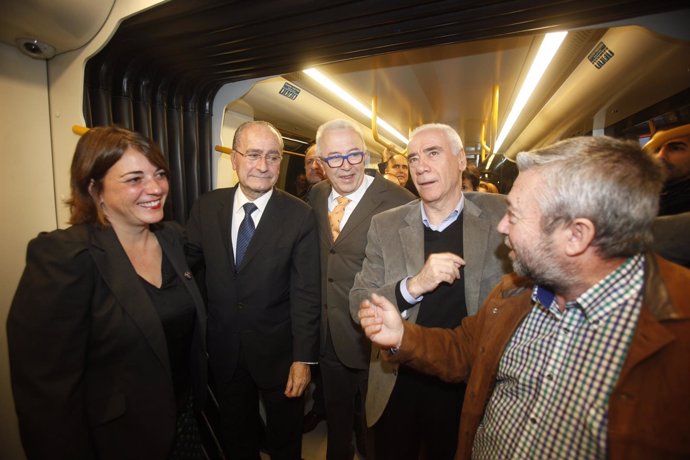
{"x":672,"y":147}
{"x":487,"y":187}
{"x":106,"y":330}
{"x":437,"y":259}
{"x":470,"y":178}
{"x":259,"y":248}
{"x":391,"y":178}
{"x":313,"y":171}
{"x":397,"y":166}
{"x":344,"y":206}
{"x":562,"y":359}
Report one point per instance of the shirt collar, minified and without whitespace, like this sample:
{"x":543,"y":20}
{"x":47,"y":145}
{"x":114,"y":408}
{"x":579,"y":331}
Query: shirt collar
{"x":452,"y":217}
{"x":355,"y":196}
{"x":610,"y":292}
{"x":241,"y":199}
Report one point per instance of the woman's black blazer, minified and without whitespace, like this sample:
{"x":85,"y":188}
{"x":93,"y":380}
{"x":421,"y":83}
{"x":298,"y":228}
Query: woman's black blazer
{"x":88,"y":356}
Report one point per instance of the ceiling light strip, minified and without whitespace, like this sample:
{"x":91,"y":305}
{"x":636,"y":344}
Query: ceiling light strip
{"x":345,"y":96}
{"x":547,"y":51}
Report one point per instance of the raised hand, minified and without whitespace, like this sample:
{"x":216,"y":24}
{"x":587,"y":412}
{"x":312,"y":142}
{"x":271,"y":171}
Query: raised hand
{"x":438,"y":268}
{"x":381,"y":322}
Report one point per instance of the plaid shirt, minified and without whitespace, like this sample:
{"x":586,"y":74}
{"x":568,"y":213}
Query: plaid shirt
{"x":558,"y":371}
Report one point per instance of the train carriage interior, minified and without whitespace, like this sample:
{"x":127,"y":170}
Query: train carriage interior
{"x":187,"y":74}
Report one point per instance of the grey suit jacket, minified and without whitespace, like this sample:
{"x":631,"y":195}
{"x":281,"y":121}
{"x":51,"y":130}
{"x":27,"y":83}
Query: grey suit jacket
{"x":395,"y":250}
{"x":342,"y":259}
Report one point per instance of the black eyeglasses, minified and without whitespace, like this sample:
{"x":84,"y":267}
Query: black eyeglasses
{"x":336,"y":161}
{"x":253,"y":157}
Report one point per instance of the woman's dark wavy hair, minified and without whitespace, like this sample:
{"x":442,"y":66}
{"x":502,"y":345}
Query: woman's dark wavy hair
{"x":97,"y":151}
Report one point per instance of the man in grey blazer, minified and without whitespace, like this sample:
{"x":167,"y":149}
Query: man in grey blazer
{"x":345,"y":351}
{"x":437,"y":260}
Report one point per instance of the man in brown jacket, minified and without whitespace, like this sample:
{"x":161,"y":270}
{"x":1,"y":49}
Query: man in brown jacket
{"x":583,"y":352}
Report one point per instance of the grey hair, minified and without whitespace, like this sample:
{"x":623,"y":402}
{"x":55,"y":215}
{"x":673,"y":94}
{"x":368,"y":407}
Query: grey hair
{"x":451,"y":134}
{"x":334,"y":125}
{"x":609,"y":181}
{"x":241,"y":128}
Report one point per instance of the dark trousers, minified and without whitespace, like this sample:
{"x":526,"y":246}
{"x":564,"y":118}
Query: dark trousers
{"x":240,"y":422}
{"x":421,"y":419}
{"x":344,"y":391}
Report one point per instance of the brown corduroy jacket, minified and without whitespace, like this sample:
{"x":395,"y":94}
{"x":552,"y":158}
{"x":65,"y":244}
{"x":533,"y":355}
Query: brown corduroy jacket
{"x":649,"y":409}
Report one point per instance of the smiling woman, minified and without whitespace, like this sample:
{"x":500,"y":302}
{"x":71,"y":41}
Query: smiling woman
{"x":117,"y":315}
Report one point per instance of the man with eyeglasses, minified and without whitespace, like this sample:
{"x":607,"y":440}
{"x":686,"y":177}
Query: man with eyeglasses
{"x":257,"y":247}
{"x":436,"y":259}
{"x":344,"y":206}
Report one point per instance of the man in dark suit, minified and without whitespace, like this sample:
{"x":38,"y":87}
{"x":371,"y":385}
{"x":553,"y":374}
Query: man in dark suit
{"x":437,"y":260}
{"x":263,"y":297}
{"x":345,"y":351}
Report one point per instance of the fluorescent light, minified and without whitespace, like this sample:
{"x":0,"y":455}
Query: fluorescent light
{"x":295,"y":140}
{"x":546,"y":52}
{"x":345,"y":96}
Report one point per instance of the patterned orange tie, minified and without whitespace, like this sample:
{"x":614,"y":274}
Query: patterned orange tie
{"x":336,"y":216}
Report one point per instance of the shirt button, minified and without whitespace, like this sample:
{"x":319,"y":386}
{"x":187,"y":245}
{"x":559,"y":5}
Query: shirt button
{"x":494,"y":310}
{"x":549,"y":376}
{"x":533,"y":420}
{"x":566,"y":330}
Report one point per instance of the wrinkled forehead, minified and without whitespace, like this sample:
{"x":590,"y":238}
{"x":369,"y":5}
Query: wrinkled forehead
{"x":431,"y":139}
{"x":259,"y":137}
{"x":398,"y":160}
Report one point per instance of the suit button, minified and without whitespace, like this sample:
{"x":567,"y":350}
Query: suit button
{"x":240,"y":306}
{"x":330,"y":280}
{"x":332,"y":251}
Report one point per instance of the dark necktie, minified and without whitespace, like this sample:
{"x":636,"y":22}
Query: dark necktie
{"x":245,"y":233}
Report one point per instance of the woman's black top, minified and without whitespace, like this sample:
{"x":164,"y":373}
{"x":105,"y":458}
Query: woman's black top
{"x":176,"y":311}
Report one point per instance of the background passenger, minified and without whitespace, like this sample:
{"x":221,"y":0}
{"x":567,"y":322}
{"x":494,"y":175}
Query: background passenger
{"x":487,"y":187}
{"x":672,"y":147}
{"x":391,"y":177}
{"x":106,"y":330}
{"x":562,"y":360}
{"x":470,"y":178}
{"x":345,"y":352}
{"x":437,"y":260}
{"x":397,"y":166}
{"x":259,"y":248}
{"x":313,"y":171}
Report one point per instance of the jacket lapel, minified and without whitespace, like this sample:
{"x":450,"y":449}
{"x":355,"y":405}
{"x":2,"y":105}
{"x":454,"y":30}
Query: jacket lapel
{"x":119,"y":275}
{"x":366,"y":206}
{"x":225,"y":224}
{"x":175,"y":253}
{"x":475,"y":231}
{"x":319,"y":202}
{"x":412,"y":239}
{"x":412,"y":242}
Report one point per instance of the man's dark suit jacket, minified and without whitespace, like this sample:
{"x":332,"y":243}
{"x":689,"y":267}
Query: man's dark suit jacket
{"x":89,"y":358}
{"x":342,"y":260}
{"x":269,"y":305}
